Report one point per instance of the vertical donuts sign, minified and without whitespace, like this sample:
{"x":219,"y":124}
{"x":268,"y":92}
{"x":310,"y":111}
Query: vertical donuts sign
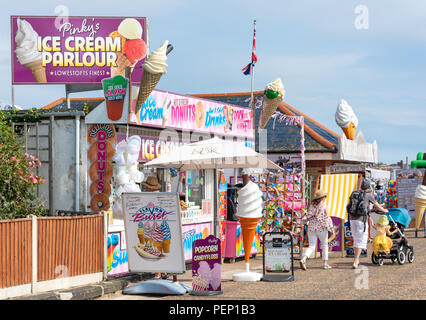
{"x":101,"y":138}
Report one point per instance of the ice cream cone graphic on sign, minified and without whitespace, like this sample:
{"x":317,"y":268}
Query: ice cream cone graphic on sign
{"x":346,"y":119}
{"x":249,"y":211}
{"x":133,"y":48}
{"x":272,"y":97}
{"x":27,"y":52}
{"x":122,"y":63}
{"x":154,"y":68}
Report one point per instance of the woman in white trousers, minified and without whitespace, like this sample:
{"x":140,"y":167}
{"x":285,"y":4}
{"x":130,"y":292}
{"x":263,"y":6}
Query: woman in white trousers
{"x":319,"y":224}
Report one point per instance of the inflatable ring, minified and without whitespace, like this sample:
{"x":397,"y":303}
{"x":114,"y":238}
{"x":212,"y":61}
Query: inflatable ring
{"x":93,"y":171}
{"x":93,"y":151}
{"x":94,"y":188}
{"x":200,"y":114}
{"x":99,"y":202}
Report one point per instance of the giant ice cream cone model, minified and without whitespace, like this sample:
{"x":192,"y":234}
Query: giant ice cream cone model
{"x":249,"y":211}
{"x":272,"y":97}
{"x":346,"y":119}
{"x":420,"y":199}
{"x":154,"y":67}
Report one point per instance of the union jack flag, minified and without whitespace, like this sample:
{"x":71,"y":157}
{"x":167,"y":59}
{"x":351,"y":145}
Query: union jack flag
{"x":248,"y":69}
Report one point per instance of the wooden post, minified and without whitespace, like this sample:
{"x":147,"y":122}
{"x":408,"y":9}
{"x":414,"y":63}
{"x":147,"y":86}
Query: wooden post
{"x":342,"y":240}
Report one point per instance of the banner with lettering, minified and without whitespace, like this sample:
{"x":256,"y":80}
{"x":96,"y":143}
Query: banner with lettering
{"x":65,"y":50}
{"x":170,"y":110}
{"x":153,"y":232}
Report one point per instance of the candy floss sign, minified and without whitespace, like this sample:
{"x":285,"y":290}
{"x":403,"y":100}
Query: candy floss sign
{"x":64,"y":50}
{"x":169,"y":110}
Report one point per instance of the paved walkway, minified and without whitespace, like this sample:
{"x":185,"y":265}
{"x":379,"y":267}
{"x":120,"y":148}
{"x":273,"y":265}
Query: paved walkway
{"x":390,"y":281}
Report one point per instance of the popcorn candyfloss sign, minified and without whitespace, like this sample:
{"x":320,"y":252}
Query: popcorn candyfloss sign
{"x":206,"y":265}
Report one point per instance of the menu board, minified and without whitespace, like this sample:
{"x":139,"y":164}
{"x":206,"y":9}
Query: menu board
{"x":278,"y":255}
{"x":153,"y":232}
{"x":407,"y":182}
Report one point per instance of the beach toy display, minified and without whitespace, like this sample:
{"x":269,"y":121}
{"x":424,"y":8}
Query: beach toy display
{"x":249,"y":211}
{"x":272,"y":97}
{"x":346,"y":119}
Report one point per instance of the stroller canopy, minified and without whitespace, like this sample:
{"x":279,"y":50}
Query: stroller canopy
{"x":399,"y":215}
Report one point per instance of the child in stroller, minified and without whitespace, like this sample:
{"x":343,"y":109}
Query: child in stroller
{"x":390,"y":241}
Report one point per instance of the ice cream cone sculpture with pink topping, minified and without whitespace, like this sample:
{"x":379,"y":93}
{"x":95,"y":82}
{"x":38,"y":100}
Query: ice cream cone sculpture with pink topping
{"x":346,"y":119}
{"x":249,"y":211}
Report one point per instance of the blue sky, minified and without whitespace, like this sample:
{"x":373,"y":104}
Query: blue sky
{"x":313,"y":46}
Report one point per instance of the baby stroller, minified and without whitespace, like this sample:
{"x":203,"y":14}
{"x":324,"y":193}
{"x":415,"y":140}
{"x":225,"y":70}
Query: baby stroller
{"x":401,"y":250}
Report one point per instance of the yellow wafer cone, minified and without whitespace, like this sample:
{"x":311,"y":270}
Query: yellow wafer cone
{"x":269,"y":106}
{"x":420,"y":209}
{"x":350,"y":131}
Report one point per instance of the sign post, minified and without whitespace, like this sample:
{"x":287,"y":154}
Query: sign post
{"x":278,"y":259}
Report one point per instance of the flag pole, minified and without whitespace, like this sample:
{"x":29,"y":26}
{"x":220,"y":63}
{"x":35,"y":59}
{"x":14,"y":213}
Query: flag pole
{"x":252,"y":73}
{"x":252,"y":77}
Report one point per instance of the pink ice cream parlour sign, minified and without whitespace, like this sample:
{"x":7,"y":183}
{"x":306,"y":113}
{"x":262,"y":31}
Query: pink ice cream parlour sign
{"x":83,"y":50}
{"x":153,"y":232}
{"x":206,"y":267}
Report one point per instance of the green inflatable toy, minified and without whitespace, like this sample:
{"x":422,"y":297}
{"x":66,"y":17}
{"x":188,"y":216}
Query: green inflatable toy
{"x":420,"y":162}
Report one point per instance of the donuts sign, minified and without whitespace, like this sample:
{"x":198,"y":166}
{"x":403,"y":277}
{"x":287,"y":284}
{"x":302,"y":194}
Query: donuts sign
{"x":174,"y":111}
{"x":101,"y":138}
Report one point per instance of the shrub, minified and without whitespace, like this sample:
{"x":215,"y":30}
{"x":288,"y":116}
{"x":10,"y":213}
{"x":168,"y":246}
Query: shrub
{"x":18,"y":181}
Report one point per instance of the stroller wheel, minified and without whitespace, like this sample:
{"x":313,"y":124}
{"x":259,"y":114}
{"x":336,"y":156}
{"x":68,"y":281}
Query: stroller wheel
{"x":380,"y":261}
{"x":401,"y":257}
{"x":410,"y":256}
{"x":374,"y":259}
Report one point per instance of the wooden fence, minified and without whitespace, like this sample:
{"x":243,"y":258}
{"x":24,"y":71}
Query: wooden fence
{"x":65,"y":247}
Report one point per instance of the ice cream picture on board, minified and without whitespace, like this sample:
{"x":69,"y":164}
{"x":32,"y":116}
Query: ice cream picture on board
{"x":27,"y":52}
{"x":154,"y":236}
{"x":346,"y":119}
{"x":133,"y":47}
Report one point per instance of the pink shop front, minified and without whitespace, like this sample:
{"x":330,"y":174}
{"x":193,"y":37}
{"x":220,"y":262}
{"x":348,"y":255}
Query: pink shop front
{"x":168,"y":120}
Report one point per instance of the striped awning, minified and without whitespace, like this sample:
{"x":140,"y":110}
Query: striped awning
{"x":338,"y":187}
